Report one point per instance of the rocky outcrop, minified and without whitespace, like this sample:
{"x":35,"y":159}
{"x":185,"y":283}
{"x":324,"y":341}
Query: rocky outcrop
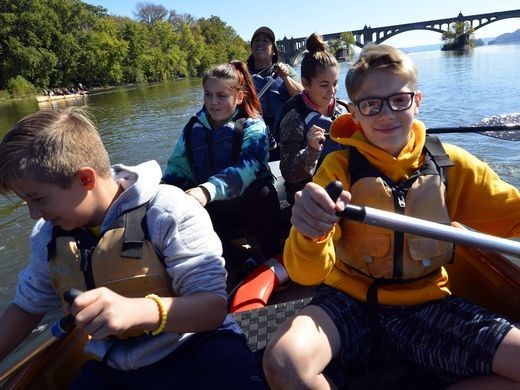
{"x":461,"y":43}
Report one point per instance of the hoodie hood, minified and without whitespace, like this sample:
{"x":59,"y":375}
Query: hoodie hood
{"x":346,"y":132}
{"x":139,"y":183}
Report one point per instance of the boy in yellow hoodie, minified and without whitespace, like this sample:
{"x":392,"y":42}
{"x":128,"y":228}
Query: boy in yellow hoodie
{"x":383,"y":291}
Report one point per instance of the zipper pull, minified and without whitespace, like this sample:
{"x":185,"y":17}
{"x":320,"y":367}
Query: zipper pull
{"x":400,"y":197}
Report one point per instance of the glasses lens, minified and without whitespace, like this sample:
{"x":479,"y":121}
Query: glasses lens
{"x":370,"y":106}
{"x":401,"y":101}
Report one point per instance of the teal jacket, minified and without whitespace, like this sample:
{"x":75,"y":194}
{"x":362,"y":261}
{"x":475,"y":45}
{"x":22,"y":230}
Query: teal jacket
{"x":225,"y":179}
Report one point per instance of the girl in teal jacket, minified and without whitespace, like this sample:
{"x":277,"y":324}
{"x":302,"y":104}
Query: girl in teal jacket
{"x":221,"y":159}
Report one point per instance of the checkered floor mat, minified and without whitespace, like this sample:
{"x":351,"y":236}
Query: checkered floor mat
{"x":259,"y":324}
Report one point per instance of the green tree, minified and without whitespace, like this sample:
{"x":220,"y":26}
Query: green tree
{"x":137,"y":36}
{"x":103,"y":54}
{"x":191,"y":41}
{"x":50,"y":43}
{"x":39,"y":39}
{"x":348,"y":42}
{"x":167,"y":60}
{"x":333,"y":46}
{"x":220,"y":40}
{"x":458,"y":34}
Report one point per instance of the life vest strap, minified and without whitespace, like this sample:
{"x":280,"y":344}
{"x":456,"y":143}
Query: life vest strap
{"x":135,"y":232}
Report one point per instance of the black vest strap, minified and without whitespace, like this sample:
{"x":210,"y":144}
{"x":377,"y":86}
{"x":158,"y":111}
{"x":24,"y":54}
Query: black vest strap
{"x":135,"y":232}
{"x":434,"y":148}
{"x":238,"y":138}
{"x":377,"y":361}
{"x":187,"y":139}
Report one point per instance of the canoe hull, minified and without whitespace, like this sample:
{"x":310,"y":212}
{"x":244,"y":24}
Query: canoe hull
{"x":44,"y":98}
{"x":487,"y":279}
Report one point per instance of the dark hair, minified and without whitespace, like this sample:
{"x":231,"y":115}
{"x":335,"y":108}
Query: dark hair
{"x":317,"y":58}
{"x":238,"y":78}
{"x":270,"y":34}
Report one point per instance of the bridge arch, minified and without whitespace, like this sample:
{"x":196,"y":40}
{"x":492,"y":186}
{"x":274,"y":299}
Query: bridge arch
{"x":291,"y":49}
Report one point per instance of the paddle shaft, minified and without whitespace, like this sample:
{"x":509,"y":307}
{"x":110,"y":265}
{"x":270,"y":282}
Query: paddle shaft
{"x":503,"y":132}
{"x":265,"y":87}
{"x":472,"y":129}
{"x":429,"y":229}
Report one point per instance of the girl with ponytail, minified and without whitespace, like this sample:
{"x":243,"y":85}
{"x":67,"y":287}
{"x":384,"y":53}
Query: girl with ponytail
{"x":305,"y":120}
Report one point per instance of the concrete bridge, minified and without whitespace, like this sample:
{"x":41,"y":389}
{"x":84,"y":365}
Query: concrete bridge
{"x":290,"y":49}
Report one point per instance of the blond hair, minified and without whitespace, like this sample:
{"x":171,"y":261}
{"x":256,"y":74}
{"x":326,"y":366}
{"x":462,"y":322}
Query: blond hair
{"x":51,"y":146}
{"x":379,"y":57}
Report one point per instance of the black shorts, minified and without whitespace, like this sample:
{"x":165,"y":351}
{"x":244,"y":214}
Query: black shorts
{"x":450,"y":339}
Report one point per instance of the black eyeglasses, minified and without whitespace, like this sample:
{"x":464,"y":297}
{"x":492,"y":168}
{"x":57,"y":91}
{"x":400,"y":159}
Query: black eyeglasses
{"x":396,"y":102}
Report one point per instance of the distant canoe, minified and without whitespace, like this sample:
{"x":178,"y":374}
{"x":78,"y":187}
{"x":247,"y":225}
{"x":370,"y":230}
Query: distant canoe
{"x":44,"y":98}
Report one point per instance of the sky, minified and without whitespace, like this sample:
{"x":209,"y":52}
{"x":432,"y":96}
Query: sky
{"x":300,"y":18}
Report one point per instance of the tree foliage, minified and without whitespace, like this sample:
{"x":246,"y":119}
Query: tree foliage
{"x":349,"y":42}
{"x":50,"y":43}
{"x":344,"y":46}
{"x":456,"y":31}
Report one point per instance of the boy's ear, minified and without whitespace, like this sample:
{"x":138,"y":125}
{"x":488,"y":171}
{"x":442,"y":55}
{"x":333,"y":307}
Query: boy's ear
{"x":418,"y":97}
{"x":87,"y":177}
{"x":352,"y":111}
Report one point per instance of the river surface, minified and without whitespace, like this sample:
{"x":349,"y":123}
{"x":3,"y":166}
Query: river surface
{"x":142,"y":123}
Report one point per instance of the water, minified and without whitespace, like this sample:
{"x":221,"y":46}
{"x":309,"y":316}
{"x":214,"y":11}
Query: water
{"x":142,"y":123}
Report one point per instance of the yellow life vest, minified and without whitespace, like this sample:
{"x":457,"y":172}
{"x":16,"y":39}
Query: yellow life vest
{"x":384,"y":254}
{"x":121,"y":259}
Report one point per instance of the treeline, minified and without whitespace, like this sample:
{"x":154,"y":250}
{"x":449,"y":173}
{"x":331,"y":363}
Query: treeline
{"x":49,"y":43}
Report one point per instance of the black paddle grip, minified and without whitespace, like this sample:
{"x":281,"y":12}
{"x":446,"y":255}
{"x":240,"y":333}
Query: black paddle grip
{"x":65,"y":325}
{"x":334,"y":189}
{"x":71,"y":294}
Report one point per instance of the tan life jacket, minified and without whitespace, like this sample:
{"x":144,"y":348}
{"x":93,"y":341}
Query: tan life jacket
{"x":384,"y":254}
{"x":121,"y":259}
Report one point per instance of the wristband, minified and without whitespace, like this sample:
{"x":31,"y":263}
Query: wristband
{"x":162,"y":315}
{"x":206,"y":193}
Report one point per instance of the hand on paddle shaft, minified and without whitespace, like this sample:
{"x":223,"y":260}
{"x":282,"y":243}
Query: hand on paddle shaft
{"x":65,"y":325}
{"x":421,"y":227}
{"x":274,"y":71}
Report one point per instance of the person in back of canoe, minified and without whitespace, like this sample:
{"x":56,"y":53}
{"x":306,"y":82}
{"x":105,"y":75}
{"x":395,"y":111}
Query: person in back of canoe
{"x":384,"y":293}
{"x":264,"y":65}
{"x":99,"y":227}
{"x":221,"y":159}
{"x":305,"y":120}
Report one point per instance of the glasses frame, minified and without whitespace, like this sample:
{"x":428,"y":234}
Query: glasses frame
{"x":386,"y":100}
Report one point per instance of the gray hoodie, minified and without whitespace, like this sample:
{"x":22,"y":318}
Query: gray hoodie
{"x":181,"y":233}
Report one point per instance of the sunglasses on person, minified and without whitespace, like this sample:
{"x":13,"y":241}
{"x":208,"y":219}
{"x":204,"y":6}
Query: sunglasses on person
{"x":373,"y":105}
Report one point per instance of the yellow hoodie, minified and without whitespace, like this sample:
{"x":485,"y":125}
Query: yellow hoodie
{"x":476,"y":197}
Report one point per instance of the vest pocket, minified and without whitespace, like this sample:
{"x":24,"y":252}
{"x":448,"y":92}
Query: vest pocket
{"x":425,"y":255}
{"x":370,"y":253}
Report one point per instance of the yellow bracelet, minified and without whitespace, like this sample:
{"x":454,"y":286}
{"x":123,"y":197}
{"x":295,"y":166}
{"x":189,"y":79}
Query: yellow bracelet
{"x":162,"y":314}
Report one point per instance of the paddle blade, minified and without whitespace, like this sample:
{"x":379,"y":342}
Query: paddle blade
{"x":503,"y":127}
